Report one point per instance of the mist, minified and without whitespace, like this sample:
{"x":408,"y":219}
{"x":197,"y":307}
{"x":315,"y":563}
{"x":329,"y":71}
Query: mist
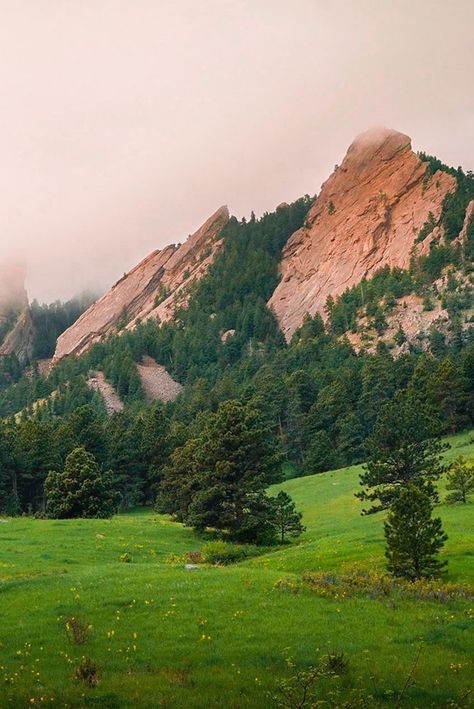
{"x":125,"y":123}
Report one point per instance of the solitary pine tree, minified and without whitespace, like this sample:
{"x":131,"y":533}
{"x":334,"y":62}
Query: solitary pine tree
{"x":81,"y":490}
{"x":218,"y":479}
{"x":403,"y":449}
{"x":413,"y":537}
{"x":460,"y":481}
{"x":286,"y":518}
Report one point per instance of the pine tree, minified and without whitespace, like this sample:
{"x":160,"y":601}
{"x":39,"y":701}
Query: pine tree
{"x":217,"y":479}
{"x":81,"y":490}
{"x":413,"y":537}
{"x":320,"y":455}
{"x":404,"y":448}
{"x":448,"y":394}
{"x":286,"y":519}
{"x":460,"y":481}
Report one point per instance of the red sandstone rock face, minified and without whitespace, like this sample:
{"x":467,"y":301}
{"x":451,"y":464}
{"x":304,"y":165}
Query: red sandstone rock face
{"x":154,"y":288}
{"x":367,"y":216}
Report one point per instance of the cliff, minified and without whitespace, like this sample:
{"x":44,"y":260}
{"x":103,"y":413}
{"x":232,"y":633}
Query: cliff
{"x":367,"y":215}
{"x":153,"y":289}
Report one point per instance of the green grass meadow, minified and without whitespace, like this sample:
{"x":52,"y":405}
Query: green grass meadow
{"x":163,"y":636}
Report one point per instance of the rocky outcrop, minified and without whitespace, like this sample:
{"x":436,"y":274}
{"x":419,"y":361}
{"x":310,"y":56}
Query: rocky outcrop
{"x":16,"y":326}
{"x":19,"y":339}
{"x":367,"y":215}
{"x":153,"y":289}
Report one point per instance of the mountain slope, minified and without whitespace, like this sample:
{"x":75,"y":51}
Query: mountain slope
{"x":154,"y":288}
{"x":367,"y":215}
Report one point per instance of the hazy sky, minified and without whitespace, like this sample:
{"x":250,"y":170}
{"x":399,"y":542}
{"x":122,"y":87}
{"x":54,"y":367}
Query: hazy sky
{"x":125,"y":123}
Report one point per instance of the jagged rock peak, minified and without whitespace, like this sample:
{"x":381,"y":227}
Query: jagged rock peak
{"x":367,"y":215}
{"x":153,"y":289}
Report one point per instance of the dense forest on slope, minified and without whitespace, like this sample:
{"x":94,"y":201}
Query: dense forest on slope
{"x":318,"y":397}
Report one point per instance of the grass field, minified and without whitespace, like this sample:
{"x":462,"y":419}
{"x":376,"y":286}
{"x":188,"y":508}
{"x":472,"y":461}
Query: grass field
{"x":218,"y":637}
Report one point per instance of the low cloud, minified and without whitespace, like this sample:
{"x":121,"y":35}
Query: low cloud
{"x":123,"y":125}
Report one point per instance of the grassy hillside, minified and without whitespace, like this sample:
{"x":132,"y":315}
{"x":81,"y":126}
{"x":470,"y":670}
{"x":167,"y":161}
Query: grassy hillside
{"x":164,"y":636}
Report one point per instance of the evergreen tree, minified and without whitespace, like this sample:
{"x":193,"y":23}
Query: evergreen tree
{"x":460,"y":481}
{"x":448,"y":394}
{"x":221,"y":475}
{"x":320,"y":455}
{"x":413,"y":537}
{"x":81,"y":490}
{"x":286,"y":519}
{"x":404,"y":448}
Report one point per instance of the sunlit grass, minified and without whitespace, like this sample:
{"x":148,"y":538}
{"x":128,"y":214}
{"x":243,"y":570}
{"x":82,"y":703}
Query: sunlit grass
{"x":164,"y":636}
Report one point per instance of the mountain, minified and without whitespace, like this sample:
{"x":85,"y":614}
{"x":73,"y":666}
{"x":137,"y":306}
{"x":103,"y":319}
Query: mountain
{"x":367,"y":215}
{"x":15,"y":322}
{"x":155,"y":288}
{"x":380,"y":208}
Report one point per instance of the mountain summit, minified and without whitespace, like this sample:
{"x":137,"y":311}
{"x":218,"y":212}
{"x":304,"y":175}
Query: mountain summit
{"x":367,"y":215}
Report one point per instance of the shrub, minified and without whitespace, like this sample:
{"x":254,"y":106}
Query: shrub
{"x":220,"y":552}
{"x":81,"y":490}
{"x":87,"y":672}
{"x":194,"y":557}
{"x":374,"y":585}
{"x":460,"y":481}
{"x":78,"y":630}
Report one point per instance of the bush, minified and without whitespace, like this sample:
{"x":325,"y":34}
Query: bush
{"x":220,"y":552}
{"x":374,"y":585}
{"x":81,"y":490}
{"x":78,"y":630}
{"x":87,"y":672}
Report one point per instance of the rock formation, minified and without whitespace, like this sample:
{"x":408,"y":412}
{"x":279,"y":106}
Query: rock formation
{"x":153,"y":289}
{"x":19,"y":339}
{"x":16,"y":326}
{"x":367,"y":215}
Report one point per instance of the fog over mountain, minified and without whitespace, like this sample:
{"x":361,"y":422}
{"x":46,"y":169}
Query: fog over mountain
{"x":123,"y":125}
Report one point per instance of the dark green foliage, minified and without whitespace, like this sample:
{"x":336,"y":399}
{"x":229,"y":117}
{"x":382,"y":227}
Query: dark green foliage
{"x":320,"y":454}
{"x":11,"y":505}
{"x":49,"y":321}
{"x":404,"y":449}
{"x":460,"y":481}
{"x":81,"y":490}
{"x":83,"y":428}
{"x":413,"y":537}
{"x":316,"y":399}
{"x":218,"y":479}
{"x":286,"y":518}
{"x":366,"y":296}
{"x":427,"y":228}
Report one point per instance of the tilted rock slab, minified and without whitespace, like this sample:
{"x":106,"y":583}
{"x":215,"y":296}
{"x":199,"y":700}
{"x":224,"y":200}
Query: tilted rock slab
{"x":367,"y":215}
{"x":153,"y":289}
